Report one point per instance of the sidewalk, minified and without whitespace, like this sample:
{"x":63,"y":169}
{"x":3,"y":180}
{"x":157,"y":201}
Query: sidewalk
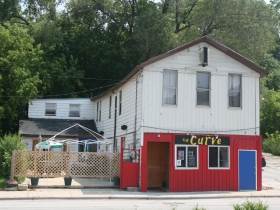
{"x":53,"y":188}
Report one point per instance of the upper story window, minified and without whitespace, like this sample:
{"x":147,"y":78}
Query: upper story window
{"x":110,"y":106}
{"x":74,"y":110}
{"x":170,"y":84}
{"x":97,"y":110}
{"x":50,"y":109}
{"x":234,"y":90}
{"x":218,"y":157}
{"x":203,"y":84}
{"x":100,"y":111}
{"x":120,"y":103}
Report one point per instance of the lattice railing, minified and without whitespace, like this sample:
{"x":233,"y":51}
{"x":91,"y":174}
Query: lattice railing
{"x":59,"y":164}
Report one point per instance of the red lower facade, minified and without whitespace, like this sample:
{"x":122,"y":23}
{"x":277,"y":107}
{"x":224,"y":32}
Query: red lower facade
{"x":183,"y":163}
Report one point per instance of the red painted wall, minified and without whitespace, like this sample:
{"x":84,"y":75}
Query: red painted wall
{"x":129,"y":174}
{"x":203,"y":179}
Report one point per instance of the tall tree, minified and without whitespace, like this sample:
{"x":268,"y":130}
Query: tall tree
{"x":20,"y":63}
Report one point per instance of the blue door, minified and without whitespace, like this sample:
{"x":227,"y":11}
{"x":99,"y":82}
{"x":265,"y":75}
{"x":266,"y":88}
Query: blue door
{"x":247,"y":170}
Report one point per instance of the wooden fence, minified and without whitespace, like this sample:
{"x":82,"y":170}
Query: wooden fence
{"x":60,"y":164}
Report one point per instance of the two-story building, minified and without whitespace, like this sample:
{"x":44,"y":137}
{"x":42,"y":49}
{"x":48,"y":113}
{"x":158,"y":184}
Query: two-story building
{"x":194,"y":113}
{"x":48,"y":117}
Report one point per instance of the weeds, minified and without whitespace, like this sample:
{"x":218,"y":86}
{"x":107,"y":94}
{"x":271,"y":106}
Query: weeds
{"x":249,"y":205}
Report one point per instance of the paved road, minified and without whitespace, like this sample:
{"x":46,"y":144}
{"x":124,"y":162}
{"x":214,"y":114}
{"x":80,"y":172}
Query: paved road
{"x":271,"y":173}
{"x":134,"y":204}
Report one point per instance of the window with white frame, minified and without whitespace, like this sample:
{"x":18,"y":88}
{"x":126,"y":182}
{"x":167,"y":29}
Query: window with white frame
{"x":100,"y":111}
{"x":218,"y":157}
{"x":234,"y":90}
{"x":186,"y":157}
{"x":120,"y":102}
{"x":170,"y":85}
{"x":97,"y":110}
{"x":110,"y":106}
{"x":203,"y":85}
{"x":50,"y":109}
{"x":74,"y":110}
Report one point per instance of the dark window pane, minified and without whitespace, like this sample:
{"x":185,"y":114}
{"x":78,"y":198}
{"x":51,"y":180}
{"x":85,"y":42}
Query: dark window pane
{"x":224,"y":160}
{"x":213,"y":156}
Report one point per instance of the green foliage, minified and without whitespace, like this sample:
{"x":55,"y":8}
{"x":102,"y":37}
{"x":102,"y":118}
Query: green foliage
{"x":271,"y":143}
{"x":198,"y":208}
{"x":270,"y":112}
{"x":20,"y":62}
{"x":2,"y":183}
{"x":7,"y":144}
{"x":250,"y":205}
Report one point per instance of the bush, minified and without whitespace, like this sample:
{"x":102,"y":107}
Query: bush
{"x":272,"y":143}
{"x":249,"y":205}
{"x":7,"y":145}
{"x":198,"y":208}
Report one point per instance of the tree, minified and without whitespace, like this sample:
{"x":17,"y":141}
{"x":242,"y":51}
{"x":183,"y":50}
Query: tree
{"x":20,"y":63}
{"x":270,"y":112}
{"x":22,"y":11}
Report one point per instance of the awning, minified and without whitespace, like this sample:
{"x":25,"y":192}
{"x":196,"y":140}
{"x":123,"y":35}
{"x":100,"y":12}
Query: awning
{"x":45,"y":145}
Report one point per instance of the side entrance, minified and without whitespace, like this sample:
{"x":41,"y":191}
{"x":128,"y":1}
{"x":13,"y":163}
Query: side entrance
{"x":247,"y":170}
{"x":158,"y":165}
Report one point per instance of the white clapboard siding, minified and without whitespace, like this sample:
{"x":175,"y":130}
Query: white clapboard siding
{"x":127,"y":114}
{"x":186,"y":116}
{"x":37,"y":108}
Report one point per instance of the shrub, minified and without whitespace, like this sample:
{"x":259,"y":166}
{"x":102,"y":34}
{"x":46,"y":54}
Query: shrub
{"x":198,"y":208}
{"x":7,"y":144}
{"x":272,"y":143}
{"x":250,"y":205}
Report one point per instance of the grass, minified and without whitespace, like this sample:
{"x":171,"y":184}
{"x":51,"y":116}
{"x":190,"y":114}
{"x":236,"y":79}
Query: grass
{"x":249,"y":205}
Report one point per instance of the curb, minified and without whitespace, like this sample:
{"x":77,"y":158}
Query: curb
{"x":114,"y":197}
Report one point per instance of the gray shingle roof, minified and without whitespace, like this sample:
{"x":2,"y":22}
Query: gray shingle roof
{"x":50,"y":127}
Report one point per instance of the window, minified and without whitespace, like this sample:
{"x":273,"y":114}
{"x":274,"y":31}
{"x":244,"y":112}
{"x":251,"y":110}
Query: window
{"x":50,"y":109}
{"x":110,"y":106}
{"x":97,"y":111}
{"x":74,"y":110}
{"x":120,"y":103}
{"x":100,"y":111}
{"x":203,"y":88}
{"x":218,"y":157}
{"x":234,"y":90}
{"x":186,"y":157}
{"x":170,"y":82}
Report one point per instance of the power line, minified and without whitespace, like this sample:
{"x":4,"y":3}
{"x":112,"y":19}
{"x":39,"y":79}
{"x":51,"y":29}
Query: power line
{"x":84,"y":91}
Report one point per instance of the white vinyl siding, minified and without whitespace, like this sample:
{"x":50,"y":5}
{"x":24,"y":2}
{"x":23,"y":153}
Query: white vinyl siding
{"x":187,"y":117}
{"x":234,"y":91}
{"x":170,"y":84}
{"x":37,"y":108}
{"x":203,"y":88}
